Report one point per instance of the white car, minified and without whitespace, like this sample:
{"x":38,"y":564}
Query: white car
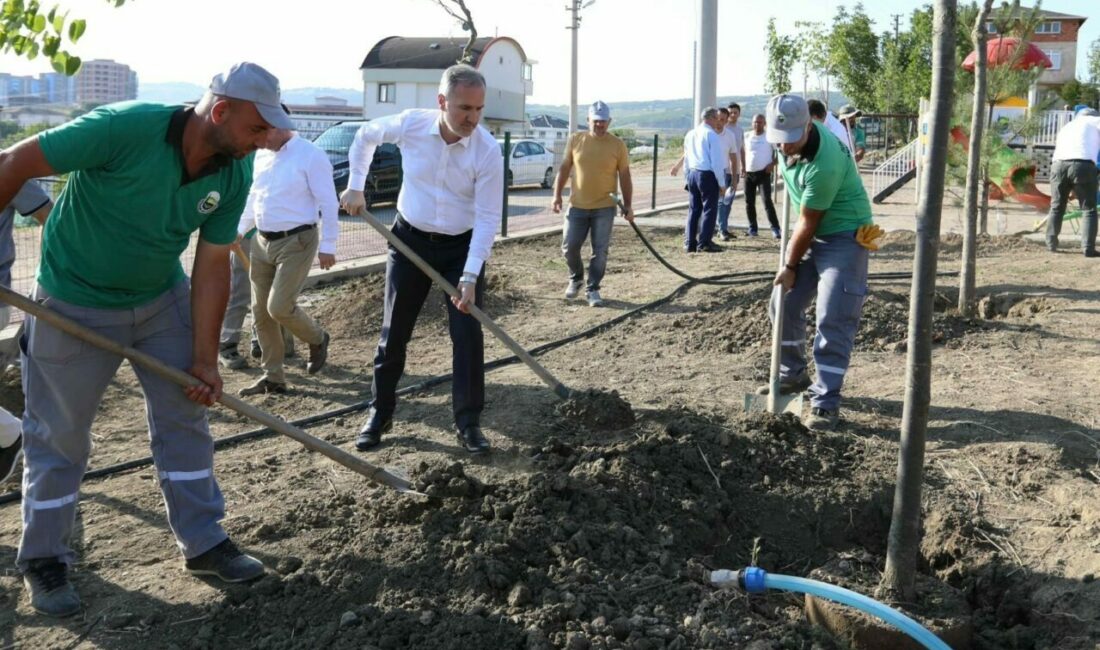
{"x":530,"y":163}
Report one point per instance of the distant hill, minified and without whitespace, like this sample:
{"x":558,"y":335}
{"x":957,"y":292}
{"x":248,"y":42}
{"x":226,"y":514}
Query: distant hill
{"x":174,"y":93}
{"x":669,"y":115}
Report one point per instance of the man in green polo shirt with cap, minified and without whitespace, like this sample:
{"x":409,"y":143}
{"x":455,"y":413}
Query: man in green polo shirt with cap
{"x":825,"y":257}
{"x":142,"y":178}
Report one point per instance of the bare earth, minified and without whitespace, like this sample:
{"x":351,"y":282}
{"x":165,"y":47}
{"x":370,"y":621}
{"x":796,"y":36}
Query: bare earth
{"x":596,"y":533}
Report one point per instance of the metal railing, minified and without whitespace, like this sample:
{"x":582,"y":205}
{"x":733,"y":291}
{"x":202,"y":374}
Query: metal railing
{"x":895,"y":167}
{"x":1050,"y":122}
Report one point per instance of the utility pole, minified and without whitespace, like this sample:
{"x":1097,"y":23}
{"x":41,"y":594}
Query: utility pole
{"x":706,"y":68}
{"x":897,"y":28}
{"x":574,"y":9}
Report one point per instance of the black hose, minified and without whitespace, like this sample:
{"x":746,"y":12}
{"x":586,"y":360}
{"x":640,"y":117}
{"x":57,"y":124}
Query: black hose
{"x":740,"y":277}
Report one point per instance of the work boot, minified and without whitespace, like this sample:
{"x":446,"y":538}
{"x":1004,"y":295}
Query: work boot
{"x":472,"y":440}
{"x":573,"y":289}
{"x":230,"y":359}
{"x":9,"y":458}
{"x":822,"y":419}
{"x":788,"y":385}
{"x":227,"y":563}
{"x":594,"y":299}
{"x":370,"y":436}
{"x":318,"y":354}
{"x":52,"y":594}
{"x":263,"y":387}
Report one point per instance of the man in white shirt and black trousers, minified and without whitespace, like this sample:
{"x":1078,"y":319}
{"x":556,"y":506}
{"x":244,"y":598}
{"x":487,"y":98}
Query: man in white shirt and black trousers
{"x":448,"y":209}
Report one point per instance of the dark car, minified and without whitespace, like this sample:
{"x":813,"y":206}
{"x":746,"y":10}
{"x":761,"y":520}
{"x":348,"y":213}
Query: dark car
{"x":384,"y":179}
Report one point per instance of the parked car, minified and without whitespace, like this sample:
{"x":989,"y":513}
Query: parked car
{"x":384,"y":178}
{"x":530,"y":163}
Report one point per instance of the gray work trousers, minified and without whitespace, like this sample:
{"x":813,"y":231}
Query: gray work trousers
{"x":579,"y":225}
{"x":1080,"y":176}
{"x":64,"y":379}
{"x":835,"y":270}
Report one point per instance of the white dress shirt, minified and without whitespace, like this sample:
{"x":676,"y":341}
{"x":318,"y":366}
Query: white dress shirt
{"x":446,"y":188}
{"x":289,"y":188}
{"x":758,"y":152}
{"x":1078,"y":140}
{"x":841,"y":132}
{"x":703,"y":151}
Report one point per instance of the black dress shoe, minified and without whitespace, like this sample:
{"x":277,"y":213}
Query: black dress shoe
{"x":370,"y":435}
{"x":472,"y":440}
{"x":710,"y":248}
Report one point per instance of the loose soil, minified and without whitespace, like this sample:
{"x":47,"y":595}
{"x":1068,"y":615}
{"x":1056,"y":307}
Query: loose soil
{"x":594,"y":521}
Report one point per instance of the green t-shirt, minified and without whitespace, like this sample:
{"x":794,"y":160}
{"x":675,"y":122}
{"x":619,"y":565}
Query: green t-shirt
{"x":127,"y":212}
{"x":859,"y":137}
{"x":829,"y":182}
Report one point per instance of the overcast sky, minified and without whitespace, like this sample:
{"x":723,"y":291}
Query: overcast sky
{"x":629,"y":49}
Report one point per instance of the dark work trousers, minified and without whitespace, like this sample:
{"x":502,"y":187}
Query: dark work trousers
{"x":761,"y":180}
{"x":702,"y":209}
{"x":406,"y":289}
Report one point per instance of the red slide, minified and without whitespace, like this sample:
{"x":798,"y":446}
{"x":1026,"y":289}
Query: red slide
{"x":1017,"y":172}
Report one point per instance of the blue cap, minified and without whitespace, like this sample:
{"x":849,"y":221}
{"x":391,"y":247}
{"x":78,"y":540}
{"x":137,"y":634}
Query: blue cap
{"x":599,"y":111}
{"x":751,"y":579}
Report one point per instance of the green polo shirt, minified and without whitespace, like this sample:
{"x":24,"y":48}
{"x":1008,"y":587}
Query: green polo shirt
{"x":825,"y":178}
{"x":114,"y":238}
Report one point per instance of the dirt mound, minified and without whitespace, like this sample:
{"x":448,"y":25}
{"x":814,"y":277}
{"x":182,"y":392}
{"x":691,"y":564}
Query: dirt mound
{"x":11,"y":391}
{"x":354,"y":308}
{"x":598,"y":410}
{"x":951,"y":244}
{"x":885,"y":322}
{"x":1013,"y":305}
{"x":580,"y":552}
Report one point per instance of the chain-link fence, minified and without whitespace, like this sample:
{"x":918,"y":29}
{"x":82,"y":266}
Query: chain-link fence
{"x":527,"y":205}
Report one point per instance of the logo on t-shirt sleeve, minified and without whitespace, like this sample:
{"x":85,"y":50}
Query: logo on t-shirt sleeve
{"x":210,"y":203}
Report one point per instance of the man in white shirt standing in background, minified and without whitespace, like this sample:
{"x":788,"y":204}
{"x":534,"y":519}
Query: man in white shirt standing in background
{"x":448,"y":210}
{"x":1074,"y":168}
{"x":733,"y":137}
{"x":291,"y":184}
{"x":759,"y":161}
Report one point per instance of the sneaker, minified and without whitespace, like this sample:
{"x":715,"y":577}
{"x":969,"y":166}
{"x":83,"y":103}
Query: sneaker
{"x":263,"y":387}
{"x":572,"y":290}
{"x":255,"y":350}
{"x":226,"y":563}
{"x":9,"y":458}
{"x":822,"y":419}
{"x":788,"y":385}
{"x":724,"y":236}
{"x":753,"y":232}
{"x":1092,"y":253}
{"x":777,"y":233}
{"x":230,"y":358}
{"x":52,"y":594}
{"x":594,"y":299}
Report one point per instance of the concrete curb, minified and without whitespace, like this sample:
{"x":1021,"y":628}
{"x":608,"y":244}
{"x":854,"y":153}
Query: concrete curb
{"x":9,"y":339}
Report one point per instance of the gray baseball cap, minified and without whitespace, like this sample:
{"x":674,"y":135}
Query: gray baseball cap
{"x":786,"y":117}
{"x":251,"y":83}
{"x":847,"y":111}
{"x":1087,"y":112}
{"x":599,"y":111}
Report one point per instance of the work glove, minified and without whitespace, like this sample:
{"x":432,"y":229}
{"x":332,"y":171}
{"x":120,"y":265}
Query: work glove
{"x":867,"y":236}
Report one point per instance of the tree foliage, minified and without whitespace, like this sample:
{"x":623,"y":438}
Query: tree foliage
{"x":28,"y":30}
{"x":1094,"y":61}
{"x":853,"y":50}
{"x":782,"y":54}
{"x":812,"y":45}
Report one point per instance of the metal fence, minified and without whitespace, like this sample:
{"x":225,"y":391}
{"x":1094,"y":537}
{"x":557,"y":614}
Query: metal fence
{"x":526,"y":208}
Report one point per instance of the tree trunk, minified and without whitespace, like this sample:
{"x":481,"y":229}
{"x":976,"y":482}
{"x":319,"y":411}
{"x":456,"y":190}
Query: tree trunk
{"x":983,"y":219}
{"x":903,"y":544}
{"x":968,"y":281}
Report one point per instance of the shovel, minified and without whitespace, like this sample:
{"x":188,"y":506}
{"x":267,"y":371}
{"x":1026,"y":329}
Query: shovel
{"x":773,"y":402}
{"x":377,"y":474}
{"x":559,"y":388}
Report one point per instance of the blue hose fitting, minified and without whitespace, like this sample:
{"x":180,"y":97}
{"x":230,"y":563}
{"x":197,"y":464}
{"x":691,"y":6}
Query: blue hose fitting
{"x":751,"y":579}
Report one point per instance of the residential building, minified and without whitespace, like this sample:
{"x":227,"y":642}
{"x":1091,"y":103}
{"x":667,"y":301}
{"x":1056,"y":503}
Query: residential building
{"x":41,"y":114}
{"x":310,"y":120}
{"x":1056,"y":36}
{"x":549,"y":131}
{"x":401,"y":73}
{"x":103,"y":81}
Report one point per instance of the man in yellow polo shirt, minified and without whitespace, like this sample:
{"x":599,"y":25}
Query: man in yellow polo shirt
{"x":600,"y":164}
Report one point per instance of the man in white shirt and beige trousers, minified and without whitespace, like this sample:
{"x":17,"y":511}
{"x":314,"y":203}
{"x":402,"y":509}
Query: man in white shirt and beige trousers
{"x":291,"y":185}
{"x":448,"y":210}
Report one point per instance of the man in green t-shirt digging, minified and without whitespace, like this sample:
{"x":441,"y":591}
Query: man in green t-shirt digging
{"x":825,"y":257}
{"x":142,"y":178}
